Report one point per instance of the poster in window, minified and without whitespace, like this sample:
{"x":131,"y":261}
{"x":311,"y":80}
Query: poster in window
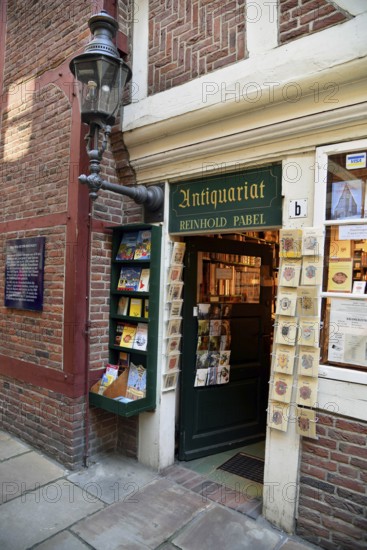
{"x":346,"y":199}
{"x":348,"y":332}
{"x":340,"y":276}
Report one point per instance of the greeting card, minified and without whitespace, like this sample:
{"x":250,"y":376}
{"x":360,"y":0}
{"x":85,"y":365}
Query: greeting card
{"x":309,"y":330}
{"x":278,"y":415}
{"x":312,"y":241}
{"x":290,"y":243}
{"x":306,"y":422}
{"x":286,"y":301}
{"x":286,"y":330}
{"x":284,"y":359}
{"x":307,"y":391}
{"x":281,"y":387}
{"x":312,"y":269}
{"x":308,"y":361}
{"x":307,"y":300}
{"x":289,"y":272}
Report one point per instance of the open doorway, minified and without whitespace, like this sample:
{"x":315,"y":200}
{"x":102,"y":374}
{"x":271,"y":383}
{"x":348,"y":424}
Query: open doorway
{"x":226,"y":349}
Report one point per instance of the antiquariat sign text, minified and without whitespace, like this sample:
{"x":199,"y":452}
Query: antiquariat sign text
{"x":237,"y":201}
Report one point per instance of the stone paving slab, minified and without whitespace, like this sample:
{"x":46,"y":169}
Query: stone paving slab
{"x":26,"y":472}
{"x":224,"y":528}
{"x":63,"y":541}
{"x":10,"y":447}
{"x":143,"y":521}
{"x":35,"y":517}
{"x":113,"y":478}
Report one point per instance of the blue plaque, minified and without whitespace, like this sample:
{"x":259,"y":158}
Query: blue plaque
{"x":24,"y":273}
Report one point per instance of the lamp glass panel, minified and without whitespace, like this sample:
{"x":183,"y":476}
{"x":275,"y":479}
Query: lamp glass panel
{"x":99,"y":86}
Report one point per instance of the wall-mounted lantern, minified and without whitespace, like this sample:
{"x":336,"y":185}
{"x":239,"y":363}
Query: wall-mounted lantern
{"x":102,"y":76}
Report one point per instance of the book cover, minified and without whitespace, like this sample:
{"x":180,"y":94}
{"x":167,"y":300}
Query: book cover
{"x":127,"y":246}
{"x":137,"y":382}
{"x":129,"y":278}
{"x":340,"y":276}
{"x":141,"y":337}
{"x":128,"y":335}
{"x":136,"y":307}
{"x":123,"y":360}
{"x":143,"y":245}
{"x":144,"y":280}
{"x":146,"y":308}
{"x":118,"y":333}
{"x":123,"y":305}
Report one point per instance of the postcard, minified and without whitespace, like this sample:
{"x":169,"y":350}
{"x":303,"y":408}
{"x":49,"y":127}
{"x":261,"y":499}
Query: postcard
{"x":176,"y":307}
{"x":289,"y":272}
{"x":306,"y":422}
{"x":312,"y":270}
{"x":174,"y":327}
{"x":170,"y":381}
{"x":290,"y":243}
{"x":359,"y":287}
{"x":308,"y":361}
{"x":286,"y":301}
{"x":200,"y":377}
{"x":312,"y":241}
{"x":203,"y":311}
{"x":307,"y":391}
{"x":286,"y":330}
{"x":175,"y":273}
{"x":223,"y":373}
{"x":307,"y":301}
{"x":173,"y":362}
{"x":173,"y":345}
{"x":202,"y":359}
{"x":281,"y":387}
{"x":215,"y":327}
{"x":309,"y":331}
{"x":174,"y":291}
{"x":278,"y":415}
{"x":284,"y":359}
{"x":178,"y":252}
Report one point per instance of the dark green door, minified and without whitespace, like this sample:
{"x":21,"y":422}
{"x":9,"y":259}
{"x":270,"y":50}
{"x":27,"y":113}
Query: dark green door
{"x":215,"y":418}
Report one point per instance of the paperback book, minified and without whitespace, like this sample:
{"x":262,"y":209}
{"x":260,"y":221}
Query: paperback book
{"x":129,"y":278}
{"x":127,"y":246}
{"x":123,"y":305}
{"x":144,"y":280}
{"x":128,"y":335}
{"x":143,"y":245}
{"x":136,"y":307}
{"x":141,"y":337}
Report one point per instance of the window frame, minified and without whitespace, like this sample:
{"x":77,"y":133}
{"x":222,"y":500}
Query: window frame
{"x":335,"y":372}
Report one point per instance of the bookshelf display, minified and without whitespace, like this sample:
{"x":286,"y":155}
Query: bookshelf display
{"x":134,"y":307}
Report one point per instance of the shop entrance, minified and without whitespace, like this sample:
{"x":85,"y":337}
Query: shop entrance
{"x":226,"y":325}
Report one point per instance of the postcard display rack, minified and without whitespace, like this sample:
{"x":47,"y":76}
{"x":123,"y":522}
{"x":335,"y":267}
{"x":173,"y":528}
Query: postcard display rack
{"x":174,"y":323}
{"x":296,"y":352}
{"x":134,"y":306}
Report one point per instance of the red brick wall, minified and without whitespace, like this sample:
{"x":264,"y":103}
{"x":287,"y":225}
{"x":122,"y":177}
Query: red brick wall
{"x":333,"y":485}
{"x":47,"y":420}
{"x":189,"y":39}
{"x":301,"y":17}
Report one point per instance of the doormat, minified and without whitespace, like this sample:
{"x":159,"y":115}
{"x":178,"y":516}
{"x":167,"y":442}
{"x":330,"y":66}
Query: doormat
{"x":243,"y":465}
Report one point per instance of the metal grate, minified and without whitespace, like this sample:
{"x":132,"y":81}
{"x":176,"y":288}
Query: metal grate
{"x":246,"y":466}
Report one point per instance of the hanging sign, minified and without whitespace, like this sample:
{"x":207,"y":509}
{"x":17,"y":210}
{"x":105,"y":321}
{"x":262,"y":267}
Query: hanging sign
{"x":24,"y":273}
{"x":248,"y":199}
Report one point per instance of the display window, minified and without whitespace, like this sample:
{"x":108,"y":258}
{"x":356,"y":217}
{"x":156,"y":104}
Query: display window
{"x":342,"y":211}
